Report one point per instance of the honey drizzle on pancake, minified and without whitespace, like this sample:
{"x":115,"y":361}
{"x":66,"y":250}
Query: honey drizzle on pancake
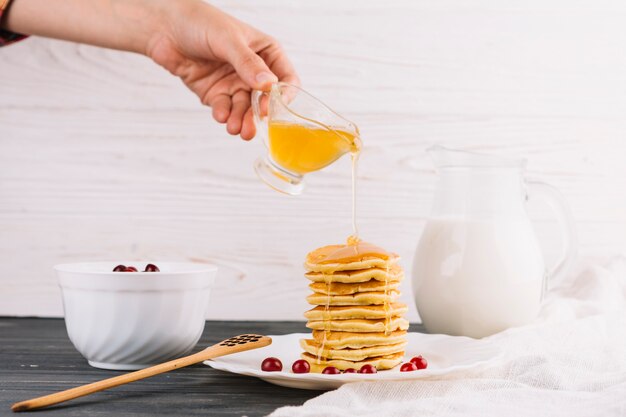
{"x":328,"y":279}
{"x":386,"y":302}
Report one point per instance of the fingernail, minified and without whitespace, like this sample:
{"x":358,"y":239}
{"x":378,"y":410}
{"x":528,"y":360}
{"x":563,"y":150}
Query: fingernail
{"x":264,"y":78}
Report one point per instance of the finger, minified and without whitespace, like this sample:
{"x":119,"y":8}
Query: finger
{"x":264,"y":105}
{"x":248,"y":128}
{"x":251,"y":67}
{"x":241,"y":103}
{"x":276,"y":58}
{"x":285,"y":71}
{"x":279,"y":64}
{"x":221,"y":108}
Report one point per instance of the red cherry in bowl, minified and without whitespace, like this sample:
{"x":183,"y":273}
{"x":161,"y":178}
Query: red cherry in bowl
{"x":408,"y":367}
{"x":301,"y":367}
{"x":368,"y":369}
{"x":151,"y":268}
{"x":130,"y":269}
{"x":272,"y":365}
{"x":331,"y":370}
{"x":419,"y":362}
{"x":350,"y":371}
{"x":119,"y":268}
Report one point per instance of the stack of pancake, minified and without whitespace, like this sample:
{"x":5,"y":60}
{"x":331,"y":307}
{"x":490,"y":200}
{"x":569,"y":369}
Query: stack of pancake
{"x":357,"y":319}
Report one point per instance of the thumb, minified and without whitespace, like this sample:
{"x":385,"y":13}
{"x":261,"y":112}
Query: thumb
{"x":251,"y":67}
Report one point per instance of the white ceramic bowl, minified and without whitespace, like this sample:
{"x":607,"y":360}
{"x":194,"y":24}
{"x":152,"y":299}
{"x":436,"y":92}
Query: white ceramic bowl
{"x":132,"y":320}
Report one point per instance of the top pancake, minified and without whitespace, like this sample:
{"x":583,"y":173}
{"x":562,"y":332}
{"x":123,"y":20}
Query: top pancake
{"x":362,"y":255}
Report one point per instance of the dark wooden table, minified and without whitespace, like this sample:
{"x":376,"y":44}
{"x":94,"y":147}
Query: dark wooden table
{"x":37,"y":358}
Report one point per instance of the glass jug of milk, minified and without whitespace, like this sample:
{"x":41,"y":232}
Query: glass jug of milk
{"x":478,"y":267}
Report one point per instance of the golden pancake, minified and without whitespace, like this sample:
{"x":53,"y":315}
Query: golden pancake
{"x":380,"y":362}
{"x":339,"y":288}
{"x":360,"y":325}
{"x":353,"y":251}
{"x":355,"y":312}
{"x":363,"y":275}
{"x":343,"y":340}
{"x":315,"y":348}
{"x":362,"y":255}
{"x":361,"y":298}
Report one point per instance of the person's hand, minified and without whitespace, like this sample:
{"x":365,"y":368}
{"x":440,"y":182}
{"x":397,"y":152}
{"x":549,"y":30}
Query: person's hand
{"x":219,"y":58}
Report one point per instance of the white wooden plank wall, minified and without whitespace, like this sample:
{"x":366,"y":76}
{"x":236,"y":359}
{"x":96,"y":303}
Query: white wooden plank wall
{"x":103,"y":155}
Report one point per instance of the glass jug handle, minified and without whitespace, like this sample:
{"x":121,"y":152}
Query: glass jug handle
{"x":557,"y":202}
{"x":260,"y":119}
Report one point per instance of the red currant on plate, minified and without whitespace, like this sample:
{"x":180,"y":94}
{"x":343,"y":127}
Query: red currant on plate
{"x":130,"y":269}
{"x":119,"y":268}
{"x":151,"y":268}
{"x":419,"y":362}
{"x":408,"y":367}
{"x":350,"y":371}
{"x":272,"y":365}
{"x":368,"y":369}
{"x":301,"y":367}
{"x":331,"y":370}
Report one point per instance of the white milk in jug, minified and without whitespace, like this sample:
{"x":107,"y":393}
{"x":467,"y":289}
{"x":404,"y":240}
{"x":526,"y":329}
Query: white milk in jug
{"x":475,"y":278}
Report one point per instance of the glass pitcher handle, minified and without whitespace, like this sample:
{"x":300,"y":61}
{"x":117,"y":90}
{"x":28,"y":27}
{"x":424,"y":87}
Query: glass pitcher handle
{"x":557,"y":202}
{"x":260,"y":120}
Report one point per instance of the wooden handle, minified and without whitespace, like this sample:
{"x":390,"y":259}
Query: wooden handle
{"x":220,"y":349}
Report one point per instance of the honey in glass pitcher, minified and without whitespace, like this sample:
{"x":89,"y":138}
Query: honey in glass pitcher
{"x":302,"y":149}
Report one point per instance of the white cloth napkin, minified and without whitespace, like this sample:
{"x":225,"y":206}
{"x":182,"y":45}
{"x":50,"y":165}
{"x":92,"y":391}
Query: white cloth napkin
{"x":570,"y":362}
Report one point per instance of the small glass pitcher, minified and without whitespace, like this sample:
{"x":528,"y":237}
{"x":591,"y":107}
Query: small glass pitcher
{"x":301,"y":135}
{"x":478,"y":267}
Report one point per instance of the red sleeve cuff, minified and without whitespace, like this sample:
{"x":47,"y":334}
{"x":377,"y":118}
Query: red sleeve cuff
{"x":7,"y":37}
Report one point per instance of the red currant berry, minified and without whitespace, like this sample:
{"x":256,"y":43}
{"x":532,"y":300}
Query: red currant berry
{"x":350,"y":371}
{"x":408,"y":367}
{"x":419,"y":362}
{"x":368,"y":369}
{"x":331,"y":370}
{"x":272,"y":365}
{"x":130,"y":269}
{"x":119,"y":268}
{"x":151,"y":268}
{"x":301,"y":367}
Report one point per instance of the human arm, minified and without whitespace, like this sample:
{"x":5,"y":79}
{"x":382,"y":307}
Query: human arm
{"x":219,"y":58}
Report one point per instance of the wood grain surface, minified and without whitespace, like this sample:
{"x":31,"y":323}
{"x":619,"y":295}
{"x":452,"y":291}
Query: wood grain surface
{"x":211,"y":352}
{"x":105,"y":156}
{"x":29,"y":368}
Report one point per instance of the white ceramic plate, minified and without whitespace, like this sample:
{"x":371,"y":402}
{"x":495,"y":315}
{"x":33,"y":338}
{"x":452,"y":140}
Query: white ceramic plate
{"x":445,"y":355}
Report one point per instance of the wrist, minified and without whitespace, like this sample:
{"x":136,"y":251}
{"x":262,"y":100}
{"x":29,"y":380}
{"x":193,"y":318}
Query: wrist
{"x":171,"y":21}
{"x":141,"y":21}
